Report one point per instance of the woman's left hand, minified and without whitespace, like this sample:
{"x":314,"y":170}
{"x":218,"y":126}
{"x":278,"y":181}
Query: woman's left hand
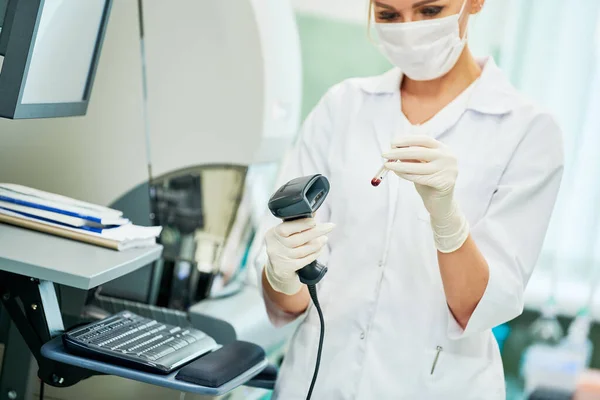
{"x":433,"y":168}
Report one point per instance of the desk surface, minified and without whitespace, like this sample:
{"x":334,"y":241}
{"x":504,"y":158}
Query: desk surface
{"x":65,"y":261}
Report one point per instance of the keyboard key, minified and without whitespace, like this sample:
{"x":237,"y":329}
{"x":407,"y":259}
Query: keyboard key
{"x":189,"y":338}
{"x":165,"y":350}
{"x":152,"y":354}
{"x":178,"y":343}
{"x":197,"y":334}
{"x":81,"y":333}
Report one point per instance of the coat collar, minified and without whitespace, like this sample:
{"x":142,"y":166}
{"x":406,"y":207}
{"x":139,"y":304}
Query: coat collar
{"x":492,"y":94}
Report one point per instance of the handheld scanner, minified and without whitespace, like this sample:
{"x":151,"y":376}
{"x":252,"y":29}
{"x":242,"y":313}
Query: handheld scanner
{"x":301,"y":198}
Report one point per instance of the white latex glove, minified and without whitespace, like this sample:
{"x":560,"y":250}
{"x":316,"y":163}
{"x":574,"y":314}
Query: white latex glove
{"x":290,"y":247}
{"x":433,"y":169}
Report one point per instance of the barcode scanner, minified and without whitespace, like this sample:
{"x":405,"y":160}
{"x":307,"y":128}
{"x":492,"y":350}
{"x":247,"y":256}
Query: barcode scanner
{"x":301,"y":198}
{"x":297,"y":199}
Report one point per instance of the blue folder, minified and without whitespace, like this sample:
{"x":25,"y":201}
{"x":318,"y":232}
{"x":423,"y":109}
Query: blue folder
{"x":51,"y":209}
{"x":37,"y":217}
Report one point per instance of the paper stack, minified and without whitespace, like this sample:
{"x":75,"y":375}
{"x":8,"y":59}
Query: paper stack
{"x":70,"y":218}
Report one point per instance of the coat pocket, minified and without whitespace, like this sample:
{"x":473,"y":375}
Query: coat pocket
{"x":454,"y":376}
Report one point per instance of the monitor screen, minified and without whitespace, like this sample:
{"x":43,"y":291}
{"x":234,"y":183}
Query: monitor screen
{"x":51,"y":50}
{"x":64,"y":47}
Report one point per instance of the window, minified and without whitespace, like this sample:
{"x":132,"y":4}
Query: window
{"x":550,"y":52}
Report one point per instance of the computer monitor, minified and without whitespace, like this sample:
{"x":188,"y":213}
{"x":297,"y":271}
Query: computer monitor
{"x":51,"y":50}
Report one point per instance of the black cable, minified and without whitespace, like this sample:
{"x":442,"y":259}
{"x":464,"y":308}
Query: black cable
{"x":312,"y":290}
{"x":41,"y":390}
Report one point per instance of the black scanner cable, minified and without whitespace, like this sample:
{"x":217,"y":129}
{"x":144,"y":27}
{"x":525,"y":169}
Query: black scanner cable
{"x":312,"y":290}
{"x":310,"y":276}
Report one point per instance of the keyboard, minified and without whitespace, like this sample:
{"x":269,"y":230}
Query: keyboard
{"x":135,"y":342}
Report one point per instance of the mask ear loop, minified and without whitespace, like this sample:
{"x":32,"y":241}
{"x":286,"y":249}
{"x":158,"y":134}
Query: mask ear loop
{"x":462,"y":10}
{"x":370,"y":25}
{"x":461,"y":17}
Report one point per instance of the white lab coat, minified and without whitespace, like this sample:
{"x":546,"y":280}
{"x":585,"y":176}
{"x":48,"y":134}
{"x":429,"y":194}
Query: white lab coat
{"x":383,"y":298}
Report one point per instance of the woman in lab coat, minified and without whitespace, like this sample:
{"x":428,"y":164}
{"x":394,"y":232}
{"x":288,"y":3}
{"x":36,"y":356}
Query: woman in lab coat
{"x":422,"y":267}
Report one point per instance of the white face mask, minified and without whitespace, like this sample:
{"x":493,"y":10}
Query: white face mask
{"x":423,"y":50}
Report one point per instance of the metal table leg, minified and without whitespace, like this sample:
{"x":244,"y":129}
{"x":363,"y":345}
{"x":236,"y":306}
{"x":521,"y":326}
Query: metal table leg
{"x":15,"y":366}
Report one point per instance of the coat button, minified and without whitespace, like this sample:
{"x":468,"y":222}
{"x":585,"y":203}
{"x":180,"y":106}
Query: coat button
{"x":362,"y":336}
{"x":381,"y":264}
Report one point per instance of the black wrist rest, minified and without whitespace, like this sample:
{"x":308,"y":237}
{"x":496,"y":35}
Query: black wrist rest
{"x":219,"y":367}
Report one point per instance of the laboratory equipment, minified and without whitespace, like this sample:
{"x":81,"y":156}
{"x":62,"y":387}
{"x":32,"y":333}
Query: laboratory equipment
{"x":51,"y":51}
{"x":559,"y":366}
{"x":301,"y":198}
{"x":197,"y":208}
{"x":139,"y":343}
{"x":546,"y":329}
{"x":577,"y":340}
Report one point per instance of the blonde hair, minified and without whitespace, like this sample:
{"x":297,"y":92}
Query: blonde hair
{"x":369,"y":17}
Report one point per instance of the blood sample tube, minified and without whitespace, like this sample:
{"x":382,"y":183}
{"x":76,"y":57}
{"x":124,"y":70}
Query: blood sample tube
{"x":380,"y":176}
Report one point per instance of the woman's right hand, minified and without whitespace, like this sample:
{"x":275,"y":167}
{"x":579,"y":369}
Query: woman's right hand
{"x":292,"y":246}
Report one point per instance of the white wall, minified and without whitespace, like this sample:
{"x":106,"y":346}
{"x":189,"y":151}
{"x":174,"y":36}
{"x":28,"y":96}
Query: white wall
{"x":205,"y":82}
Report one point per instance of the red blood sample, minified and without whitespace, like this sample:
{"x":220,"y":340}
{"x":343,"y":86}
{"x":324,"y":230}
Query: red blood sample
{"x":375,"y":182}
